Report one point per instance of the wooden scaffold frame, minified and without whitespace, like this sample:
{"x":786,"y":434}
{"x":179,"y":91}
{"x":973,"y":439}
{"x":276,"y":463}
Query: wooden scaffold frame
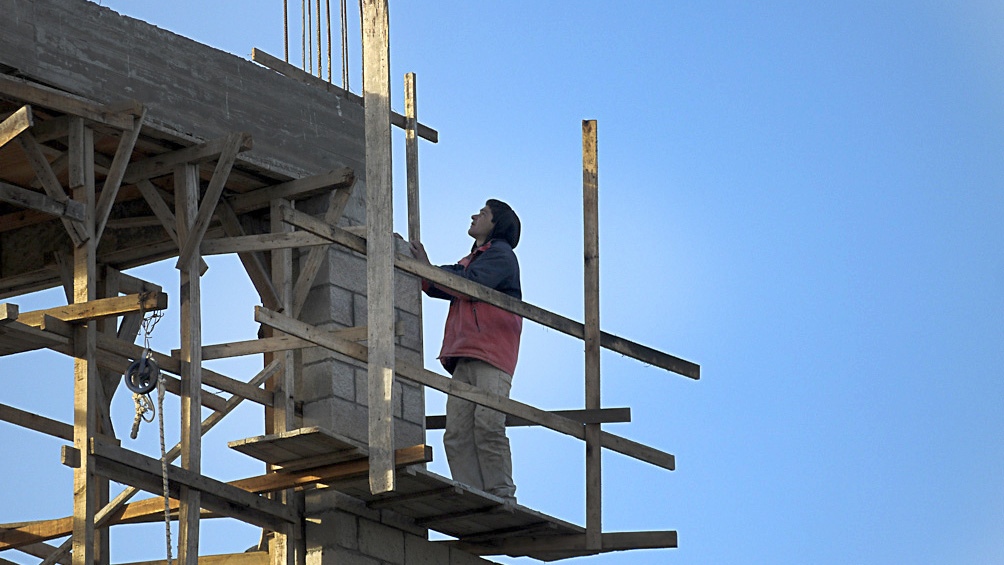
{"x":210,"y":180}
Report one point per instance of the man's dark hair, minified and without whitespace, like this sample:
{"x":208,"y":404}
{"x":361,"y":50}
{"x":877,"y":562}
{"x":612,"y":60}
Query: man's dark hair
{"x":507,"y":224}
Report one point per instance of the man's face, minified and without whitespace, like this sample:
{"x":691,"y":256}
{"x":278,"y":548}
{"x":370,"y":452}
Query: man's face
{"x":481,"y":225}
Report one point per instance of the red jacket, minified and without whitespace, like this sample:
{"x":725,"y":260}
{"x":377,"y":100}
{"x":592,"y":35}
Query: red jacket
{"x":477,"y":329}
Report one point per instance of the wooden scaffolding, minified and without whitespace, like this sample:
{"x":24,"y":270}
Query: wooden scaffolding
{"x":86,"y":165}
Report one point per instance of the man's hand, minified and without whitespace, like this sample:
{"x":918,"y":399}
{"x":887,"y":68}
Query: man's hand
{"x":418,"y":250}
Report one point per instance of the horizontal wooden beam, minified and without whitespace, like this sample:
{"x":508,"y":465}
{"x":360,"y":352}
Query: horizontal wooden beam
{"x":99,"y":308}
{"x":38,"y":95}
{"x":249,"y":558}
{"x":601,"y":416}
{"x":111,"y":354}
{"x":338,"y":179}
{"x":16,"y":123}
{"x":260,"y":242}
{"x":480,"y":292}
{"x":136,"y":469}
{"x":25,"y":198}
{"x":295,"y":73}
{"x":568,"y":545}
{"x":36,"y":422}
{"x":173,"y":365}
{"x":164,"y":163}
{"x":273,"y":482}
{"x":467,"y":392}
{"x":17,"y":535}
{"x":269,"y":344}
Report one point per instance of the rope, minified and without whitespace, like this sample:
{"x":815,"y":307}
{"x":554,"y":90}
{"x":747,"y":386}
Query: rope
{"x":285,"y":28}
{"x":161,"y":386}
{"x":144,"y":406}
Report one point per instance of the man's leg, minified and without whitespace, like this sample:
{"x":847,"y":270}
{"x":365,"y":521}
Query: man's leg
{"x":490,"y":438}
{"x":458,"y":440}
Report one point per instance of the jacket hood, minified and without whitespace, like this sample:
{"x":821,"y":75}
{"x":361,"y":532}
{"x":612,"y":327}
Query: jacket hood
{"x":507,"y":226}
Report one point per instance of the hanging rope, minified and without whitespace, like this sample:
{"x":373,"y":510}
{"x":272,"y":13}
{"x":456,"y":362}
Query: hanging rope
{"x":161,"y":387}
{"x":141,"y":377}
{"x":285,"y":28}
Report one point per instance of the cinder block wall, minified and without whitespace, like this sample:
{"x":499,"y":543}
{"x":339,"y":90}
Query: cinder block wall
{"x":90,"y":50}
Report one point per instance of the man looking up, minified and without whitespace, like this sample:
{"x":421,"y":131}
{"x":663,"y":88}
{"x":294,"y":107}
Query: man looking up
{"x":480,"y":347}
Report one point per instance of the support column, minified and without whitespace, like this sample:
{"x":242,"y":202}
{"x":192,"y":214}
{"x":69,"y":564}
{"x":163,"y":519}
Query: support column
{"x":591,"y":248}
{"x":186,"y":194}
{"x":379,"y":244}
{"x":282,"y":545}
{"x":85,"y":368}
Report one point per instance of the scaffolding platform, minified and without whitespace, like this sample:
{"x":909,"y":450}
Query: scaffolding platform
{"x":472,"y":516}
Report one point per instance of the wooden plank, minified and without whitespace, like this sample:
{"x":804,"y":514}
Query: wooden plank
{"x":309,"y":268}
{"x":186,"y":190}
{"x":270,"y":344}
{"x":261,"y":242}
{"x":85,"y":369}
{"x":113,"y":180}
{"x":16,"y":123}
{"x":296,"y":189}
{"x":192,"y":241}
{"x":411,"y":157}
{"x":508,"y":303}
{"x":282,"y":417}
{"x":165,"y":163}
{"x":33,"y":200}
{"x":36,"y":422}
{"x":273,"y":482}
{"x":225,"y":498}
{"x":597,"y":416}
{"x":38,"y":95}
{"x":98,"y":308}
{"x":45,"y":551}
{"x":591,"y":326}
{"x":542,"y":546}
{"x":462,"y":390}
{"x":249,"y":558}
{"x":282,"y":67}
{"x":294,"y":445}
{"x":379,"y":242}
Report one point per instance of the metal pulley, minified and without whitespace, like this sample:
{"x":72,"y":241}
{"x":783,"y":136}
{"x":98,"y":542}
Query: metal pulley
{"x":141,"y":376}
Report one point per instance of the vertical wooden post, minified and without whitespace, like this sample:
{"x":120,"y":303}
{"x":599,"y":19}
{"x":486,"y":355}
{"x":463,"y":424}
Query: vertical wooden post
{"x":186,"y":192}
{"x":411,"y":156}
{"x":85,"y":369}
{"x":591,"y":248}
{"x":379,"y":244}
{"x":282,"y":545}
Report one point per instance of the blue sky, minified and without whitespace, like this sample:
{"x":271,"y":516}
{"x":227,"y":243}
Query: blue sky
{"x":804,"y":198}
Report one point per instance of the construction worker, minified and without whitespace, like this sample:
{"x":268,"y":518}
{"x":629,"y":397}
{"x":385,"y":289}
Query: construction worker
{"x":480,"y":348}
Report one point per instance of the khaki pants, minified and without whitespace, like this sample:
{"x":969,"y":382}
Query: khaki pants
{"x":476,"y":444}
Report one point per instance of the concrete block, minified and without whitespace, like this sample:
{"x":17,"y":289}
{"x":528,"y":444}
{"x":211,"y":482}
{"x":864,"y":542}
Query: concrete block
{"x":332,"y":528}
{"x":420,"y":551}
{"x":410,"y":340}
{"x":326,"y":304}
{"x":347,"y":270}
{"x":381,"y":541}
{"x":338,"y":415}
{"x":458,"y":557}
{"x":413,"y":403}
{"x":327,"y":378}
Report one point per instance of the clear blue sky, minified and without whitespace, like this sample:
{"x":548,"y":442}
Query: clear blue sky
{"x":804,"y":198}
